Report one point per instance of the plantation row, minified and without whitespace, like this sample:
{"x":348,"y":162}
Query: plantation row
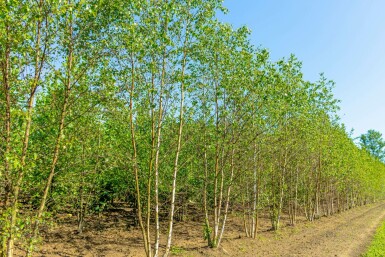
{"x":158,"y":104}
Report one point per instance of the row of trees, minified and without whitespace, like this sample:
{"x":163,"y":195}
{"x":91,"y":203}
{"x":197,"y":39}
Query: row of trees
{"x":159,"y":104}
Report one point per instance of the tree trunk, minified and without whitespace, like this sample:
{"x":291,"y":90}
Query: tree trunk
{"x":147,"y":245}
{"x":5,"y":69}
{"x":227,"y":199}
{"x":57,"y":143}
{"x":5,"y":65}
{"x":176,"y":167}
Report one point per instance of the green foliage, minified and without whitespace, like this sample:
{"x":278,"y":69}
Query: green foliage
{"x":373,"y":142}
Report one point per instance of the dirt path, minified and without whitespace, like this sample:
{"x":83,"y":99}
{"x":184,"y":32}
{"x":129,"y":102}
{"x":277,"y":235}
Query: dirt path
{"x":345,"y":234}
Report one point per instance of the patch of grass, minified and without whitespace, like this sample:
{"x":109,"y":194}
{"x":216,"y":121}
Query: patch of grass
{"x":242,"y":248}
{"x":295,"y":230}
{"x":177,"y":250}
{"x":261,"y":238}
{"x":310,"y":224}
{"x":377,"y":247}
{"x":278,"y":234}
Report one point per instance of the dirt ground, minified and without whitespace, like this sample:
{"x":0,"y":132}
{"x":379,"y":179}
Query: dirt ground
{"x":346,"y":234}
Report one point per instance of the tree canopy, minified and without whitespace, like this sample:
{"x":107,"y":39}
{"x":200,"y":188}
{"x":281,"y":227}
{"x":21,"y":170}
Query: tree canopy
{"x":373,"y":142}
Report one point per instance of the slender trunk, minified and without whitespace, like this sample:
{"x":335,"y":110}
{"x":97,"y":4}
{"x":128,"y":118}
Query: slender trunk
{"x":149,"y":180}
{"x":5,"y":68}
{"x":151,"y":161}
{"x":147,"y":245}
{"x":207,"y":222}
{"x":176,"y":167}
{"x":245,"y":223}
{"x":222,"y":176}
{"x":81,"y":208}
{"x":156,"y":168}
{"x":81,"y":195}
{"x":220,"y":198}
{"x":254,"y":212}
{"x":216,"y":216}
{"x":227,"y":199}
{"x":280,"y":200}
{"x":5,"y":65}
{"x":57,"y":143}
{"x":16,"y":188}
{"x":296,"y":196}
{"x":157,"y":152}
{"x":151,"y":164}
{"x":318,"y":191}
{"x":257,"y":200}
{"x":216,"y":168}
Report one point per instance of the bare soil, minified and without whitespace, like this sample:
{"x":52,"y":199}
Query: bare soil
{"x":345,"y":234}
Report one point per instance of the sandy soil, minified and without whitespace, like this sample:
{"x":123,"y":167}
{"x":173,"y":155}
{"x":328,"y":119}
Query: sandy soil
{"x":346,"y":234}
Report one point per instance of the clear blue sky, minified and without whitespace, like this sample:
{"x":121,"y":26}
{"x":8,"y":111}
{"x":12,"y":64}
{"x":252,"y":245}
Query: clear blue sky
{"x":345,"y":39}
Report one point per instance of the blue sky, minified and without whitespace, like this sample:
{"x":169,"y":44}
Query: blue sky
{"x":345,"y":39}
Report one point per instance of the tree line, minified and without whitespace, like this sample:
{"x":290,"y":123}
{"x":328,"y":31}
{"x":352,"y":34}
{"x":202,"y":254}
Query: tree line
{"x":160,"y":105}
